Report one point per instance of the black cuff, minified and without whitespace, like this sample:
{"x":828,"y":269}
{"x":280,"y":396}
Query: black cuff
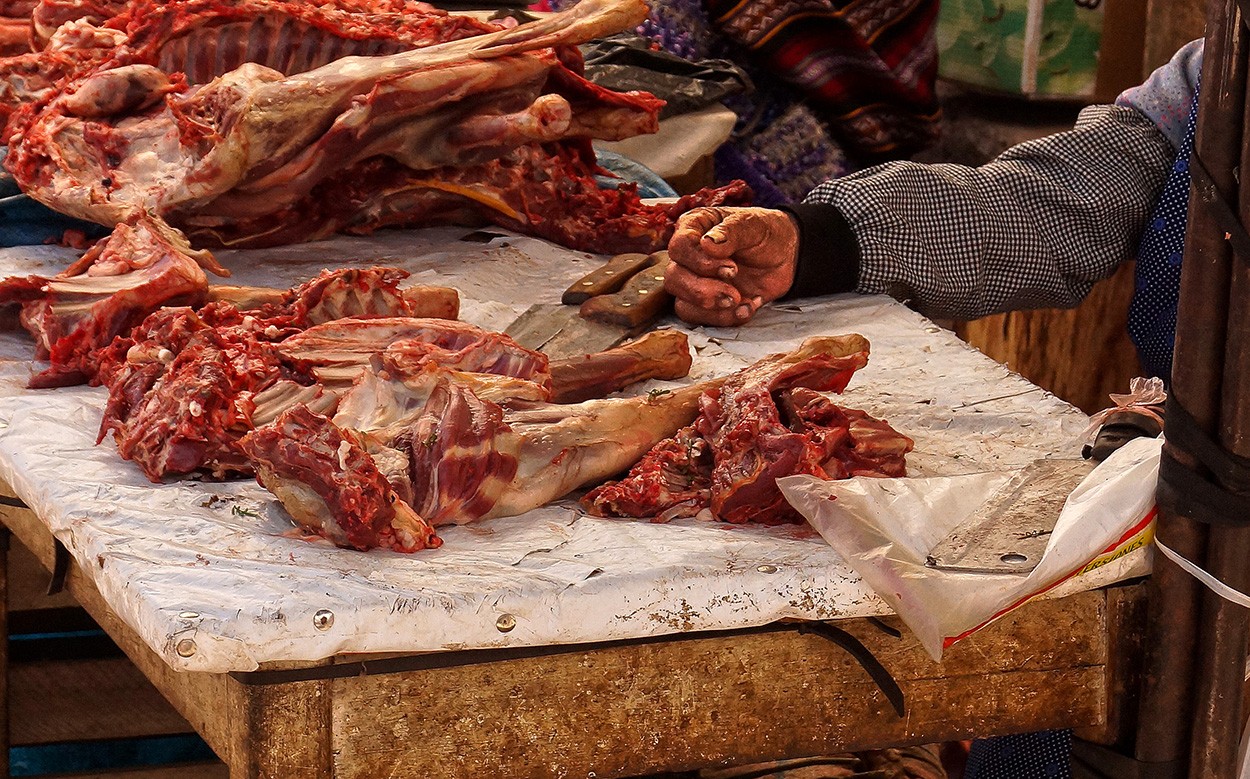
{"x":828,"y":260}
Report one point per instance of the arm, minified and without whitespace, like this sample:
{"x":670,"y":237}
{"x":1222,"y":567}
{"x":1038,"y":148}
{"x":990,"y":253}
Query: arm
{"x":1034,"y":228}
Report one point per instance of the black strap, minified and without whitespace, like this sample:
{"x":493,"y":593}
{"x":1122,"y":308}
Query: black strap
{"x":1222,"y":498}
{"x":1217,"y":205}
{"x":885,"y":682}
{"x":60,"y":568}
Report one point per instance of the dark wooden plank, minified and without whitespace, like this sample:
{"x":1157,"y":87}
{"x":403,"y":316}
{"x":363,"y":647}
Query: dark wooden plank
{"x":5,"y":692}
{"x":179,"y":771}
{"x":86,"y":700}
{"x":206,"y":700}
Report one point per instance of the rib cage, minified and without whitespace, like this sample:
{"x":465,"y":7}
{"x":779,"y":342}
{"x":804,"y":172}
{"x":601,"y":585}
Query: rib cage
{"x":284,"y":43}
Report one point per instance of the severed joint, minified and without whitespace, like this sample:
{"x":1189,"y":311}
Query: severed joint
{"x":330,"y":485}
{"x":661,"y":354}
{"x":547,"y":119}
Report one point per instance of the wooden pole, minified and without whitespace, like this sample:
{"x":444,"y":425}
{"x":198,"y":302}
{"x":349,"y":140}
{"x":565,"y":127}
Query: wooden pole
{"x":1219,"y":706}
{"x":1197,"y":377}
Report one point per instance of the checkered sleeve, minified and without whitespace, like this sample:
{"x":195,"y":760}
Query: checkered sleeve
{"x":1034,"y":228}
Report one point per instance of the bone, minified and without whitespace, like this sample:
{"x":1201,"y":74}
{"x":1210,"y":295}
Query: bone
{"x":663,"y":354}
{"x":116,"y":91}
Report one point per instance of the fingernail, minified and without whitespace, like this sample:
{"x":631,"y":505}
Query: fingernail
{"x":743,"y":312}
{"x":716,"y":235}
{"x":727,"y":272}
{"x":725,"y":301}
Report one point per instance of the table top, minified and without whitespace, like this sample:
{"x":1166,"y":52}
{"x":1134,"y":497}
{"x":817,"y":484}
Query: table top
{"x":217,"y":564}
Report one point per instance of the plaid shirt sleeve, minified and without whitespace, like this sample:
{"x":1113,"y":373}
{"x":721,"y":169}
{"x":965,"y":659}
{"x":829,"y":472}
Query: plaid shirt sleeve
{"x":1034,"y":228}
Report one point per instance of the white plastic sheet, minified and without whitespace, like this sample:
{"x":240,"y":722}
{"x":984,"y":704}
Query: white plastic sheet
{"x":225,"y":553}
{"x":884,"y":528}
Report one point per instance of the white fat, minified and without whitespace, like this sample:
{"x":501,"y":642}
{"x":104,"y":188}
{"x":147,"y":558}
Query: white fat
{"x":344,"y":449}
{"x":195,"y":408}
{"x":271,"y":331}
{"x":165,"y":356}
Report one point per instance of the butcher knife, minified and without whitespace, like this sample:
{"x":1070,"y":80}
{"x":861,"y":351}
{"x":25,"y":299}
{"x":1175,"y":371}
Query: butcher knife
{"x":1010,"y":531}
{"x":616,"y":301}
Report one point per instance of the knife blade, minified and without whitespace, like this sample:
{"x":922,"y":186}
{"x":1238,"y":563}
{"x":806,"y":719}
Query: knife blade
{"x":1011,"y":530}
{"x":612,"y":303}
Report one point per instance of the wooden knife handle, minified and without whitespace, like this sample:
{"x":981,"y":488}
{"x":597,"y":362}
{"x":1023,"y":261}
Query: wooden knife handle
{"x":640,"y":301}
{"x":605,"y":279}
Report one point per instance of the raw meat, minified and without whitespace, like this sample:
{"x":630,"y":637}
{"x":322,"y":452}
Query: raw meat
{"x":185,"y":385}
{"x":331,"y":487}
{"x":469,"y":458}
{"x":760,"y":425}
{"x":142,"y":266}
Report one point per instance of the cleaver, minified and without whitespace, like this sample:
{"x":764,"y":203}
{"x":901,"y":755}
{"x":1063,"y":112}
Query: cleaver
{"x":612,"y":303}
{"x":1010,"y":531}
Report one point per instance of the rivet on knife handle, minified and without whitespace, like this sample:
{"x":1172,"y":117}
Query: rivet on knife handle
{"x":640,"y":301}
{"x":605,"y":279}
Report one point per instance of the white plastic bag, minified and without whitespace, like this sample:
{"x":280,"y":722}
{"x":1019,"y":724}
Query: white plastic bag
{"x":884,"y":528}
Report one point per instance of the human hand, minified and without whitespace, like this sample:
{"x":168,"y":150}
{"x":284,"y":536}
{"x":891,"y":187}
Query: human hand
{"x":727,"y":262}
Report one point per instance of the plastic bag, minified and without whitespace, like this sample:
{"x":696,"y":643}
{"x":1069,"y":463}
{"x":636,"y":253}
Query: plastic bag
{"x":884,"y":529}
{"x":627,"y":62}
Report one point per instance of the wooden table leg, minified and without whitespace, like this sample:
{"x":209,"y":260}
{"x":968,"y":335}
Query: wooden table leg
{"x":4,"y":651}
{"x":284,"y":731}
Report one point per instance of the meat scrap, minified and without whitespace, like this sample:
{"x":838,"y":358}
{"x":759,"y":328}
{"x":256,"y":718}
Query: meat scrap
{"x":141,"y":267}
{"x":185,"y":385}
{"x":758,"y":426}
{"x":262,"y":122}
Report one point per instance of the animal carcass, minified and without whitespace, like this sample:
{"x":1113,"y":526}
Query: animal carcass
{"x":256,"y":123}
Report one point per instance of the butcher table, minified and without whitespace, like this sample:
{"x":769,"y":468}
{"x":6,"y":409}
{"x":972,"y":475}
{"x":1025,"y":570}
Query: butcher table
{"x":555,"y":644}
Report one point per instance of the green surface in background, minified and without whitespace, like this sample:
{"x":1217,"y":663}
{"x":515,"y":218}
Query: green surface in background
{"x":981,"y":42}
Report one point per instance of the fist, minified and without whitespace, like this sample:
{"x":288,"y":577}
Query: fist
{"x":727,"y":262}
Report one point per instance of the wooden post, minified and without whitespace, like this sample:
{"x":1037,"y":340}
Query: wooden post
{"x":282,"y":731}
{"x":1164,"y":734}
{"x":1225,"y":628}
{"x":1210,"y":382}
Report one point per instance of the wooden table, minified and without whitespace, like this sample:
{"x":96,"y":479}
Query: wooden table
{"x":645,"y":706}
{"x":673,"y":703}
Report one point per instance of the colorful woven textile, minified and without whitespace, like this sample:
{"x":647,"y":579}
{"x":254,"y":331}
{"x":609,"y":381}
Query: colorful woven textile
{"x":838,"y":85}
{"x":867,"y":67}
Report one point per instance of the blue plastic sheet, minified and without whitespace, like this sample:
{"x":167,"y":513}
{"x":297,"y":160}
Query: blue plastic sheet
{"x":25,"y":221}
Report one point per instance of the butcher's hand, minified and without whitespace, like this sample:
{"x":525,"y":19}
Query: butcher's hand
{"x":727,"y":262}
